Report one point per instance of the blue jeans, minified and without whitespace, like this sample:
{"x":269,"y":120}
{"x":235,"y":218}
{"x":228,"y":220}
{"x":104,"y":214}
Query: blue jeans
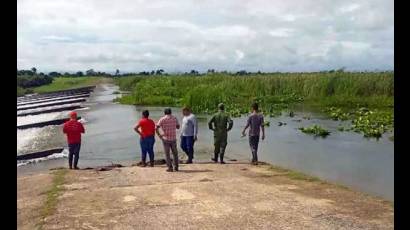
{"x":147,"y":146}
{"x":187,"y":144}
{"x":73,"y":149}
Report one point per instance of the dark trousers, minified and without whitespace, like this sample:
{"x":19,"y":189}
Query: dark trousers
{"x":220,"y":143}
{"x":253,"y":143}
{"x":187,"y":144}
{"x":73,"y":149}
{"x":147,"y":146}
{"x":171,"y":146}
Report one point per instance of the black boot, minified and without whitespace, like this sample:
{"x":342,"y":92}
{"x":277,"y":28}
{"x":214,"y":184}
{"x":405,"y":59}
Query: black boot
{"x":222,"y":159}
{"x":151,"y":163}
{"x":215,"y":159}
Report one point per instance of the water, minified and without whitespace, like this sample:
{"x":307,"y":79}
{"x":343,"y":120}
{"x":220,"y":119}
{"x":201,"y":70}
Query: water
{"x":343,"y":157}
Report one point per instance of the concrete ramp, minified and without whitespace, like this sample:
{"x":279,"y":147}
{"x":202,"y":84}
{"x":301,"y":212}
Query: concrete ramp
{"x":40,"y":154}
{"x":51,"y":104}
{"x":44,"y":123}
{"x":82,"y":95}
{"x":51,"y":110}
{"x":67,"y":92}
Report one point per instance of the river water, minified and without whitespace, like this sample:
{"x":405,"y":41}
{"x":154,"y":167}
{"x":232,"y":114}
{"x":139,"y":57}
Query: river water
{"x":343,"y":157}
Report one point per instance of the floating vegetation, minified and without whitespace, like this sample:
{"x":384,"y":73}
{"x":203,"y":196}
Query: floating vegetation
{"x":306,"y":117}
{"x":337,"y":114}
{"x":116,"y":92}
{"x":266,"y":123}
{"x":281,"y":123}
{"x":291,"y":114}
{"x":372,"y":123}
{"x":315,"y":130}
{"x":297,"y":120}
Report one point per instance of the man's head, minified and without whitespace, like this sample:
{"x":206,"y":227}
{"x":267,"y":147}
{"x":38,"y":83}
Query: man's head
{"x":73,"y":115}
{"x":145,"y":113}
{"x":255,"y":106}
{"x":186,"y":111}
{"x":167,"y":111}
{"x":221,"y":106}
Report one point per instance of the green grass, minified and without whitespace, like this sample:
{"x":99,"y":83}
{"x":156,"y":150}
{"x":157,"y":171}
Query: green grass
{"x":294,"y":175}
{"x":273,"y":91}
{"x":62,"y":83}
{"x":52,"y":194}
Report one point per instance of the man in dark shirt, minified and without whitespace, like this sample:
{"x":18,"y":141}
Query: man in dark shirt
{"x":73,"y":129}
{"x":255,"y":122}
{"x":220,"y":123}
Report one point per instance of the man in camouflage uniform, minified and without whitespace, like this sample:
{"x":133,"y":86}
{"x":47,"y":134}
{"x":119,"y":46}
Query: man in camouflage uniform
{"x":220,"y":123}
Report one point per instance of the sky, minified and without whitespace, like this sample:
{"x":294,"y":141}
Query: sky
{"x":181,"y":35}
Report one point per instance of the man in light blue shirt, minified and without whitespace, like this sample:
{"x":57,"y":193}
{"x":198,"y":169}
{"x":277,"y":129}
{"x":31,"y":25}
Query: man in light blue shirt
{"x":189,"y":133}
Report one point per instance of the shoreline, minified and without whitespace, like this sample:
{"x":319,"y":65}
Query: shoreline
{"x":291,"y":173}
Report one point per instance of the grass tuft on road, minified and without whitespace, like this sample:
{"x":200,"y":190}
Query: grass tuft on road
{"x":294,"y":174}
{"x":52,"y":194}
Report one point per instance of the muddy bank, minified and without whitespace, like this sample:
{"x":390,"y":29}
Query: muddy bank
{"x":200,"y":196}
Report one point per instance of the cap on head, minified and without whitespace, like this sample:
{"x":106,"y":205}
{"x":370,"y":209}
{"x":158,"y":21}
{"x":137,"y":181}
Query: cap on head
{"x":167,"y":111}
{"x":221,"y":106}
{"x":73,"y":115}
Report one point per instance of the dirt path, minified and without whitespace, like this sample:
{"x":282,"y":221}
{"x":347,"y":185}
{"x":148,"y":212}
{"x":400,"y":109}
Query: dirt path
{"x":201,"y":196}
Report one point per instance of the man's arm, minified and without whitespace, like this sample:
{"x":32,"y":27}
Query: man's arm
{"x":210,"y":123}
{"x":136,"y":128}
{"x":177,"y":126}
{"x":230,"y":123}
{"x":246,"y":127}
{"x":157,"y":131}
{"x":64,"y":128}
{"x":195,"y":127}
{"x":158,"y":125}
{"x":263,"y":128}
{"x":82,"y":128}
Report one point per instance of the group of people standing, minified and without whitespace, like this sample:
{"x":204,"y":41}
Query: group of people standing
{"x":166,"y":127}
{"x":220,"y":123}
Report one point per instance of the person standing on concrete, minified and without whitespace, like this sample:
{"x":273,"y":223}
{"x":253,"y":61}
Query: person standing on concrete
{"x":255,"y":123}
{"x":146,"y":129}
{"x":169,"y":124}
{"x":221,"y":124}
{"x":73,"y":129}
{"x":189,"y":133}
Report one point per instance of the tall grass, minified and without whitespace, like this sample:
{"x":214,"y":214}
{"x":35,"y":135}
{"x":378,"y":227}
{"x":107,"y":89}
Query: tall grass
{"x":203,"y":93}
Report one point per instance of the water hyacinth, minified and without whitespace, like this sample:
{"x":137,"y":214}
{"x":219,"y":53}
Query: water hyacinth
{"x":315,"y":130}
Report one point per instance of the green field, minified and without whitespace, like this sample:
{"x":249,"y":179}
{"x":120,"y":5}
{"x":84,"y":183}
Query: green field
{"x":62,"y":83}
{"x":203,"y":93}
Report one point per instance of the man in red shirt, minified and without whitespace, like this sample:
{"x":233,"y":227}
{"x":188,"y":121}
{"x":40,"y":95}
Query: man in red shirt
{"x":146,"y":129}
{"x":73,"y":129}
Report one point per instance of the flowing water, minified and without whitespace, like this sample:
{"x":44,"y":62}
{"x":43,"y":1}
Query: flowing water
{"x":343,"y":157}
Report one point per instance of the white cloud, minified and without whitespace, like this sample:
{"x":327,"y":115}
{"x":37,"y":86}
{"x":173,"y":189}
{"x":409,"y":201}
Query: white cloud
{"x":239,"y":55}
{"x":281,"y":32}
{"x":350,"y":7}
{"x":182,"y":35}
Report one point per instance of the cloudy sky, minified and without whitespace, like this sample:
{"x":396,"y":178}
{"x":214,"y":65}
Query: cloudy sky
{"x":180,"y":35}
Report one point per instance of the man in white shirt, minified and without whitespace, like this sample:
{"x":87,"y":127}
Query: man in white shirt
{"x":189,"y":133}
